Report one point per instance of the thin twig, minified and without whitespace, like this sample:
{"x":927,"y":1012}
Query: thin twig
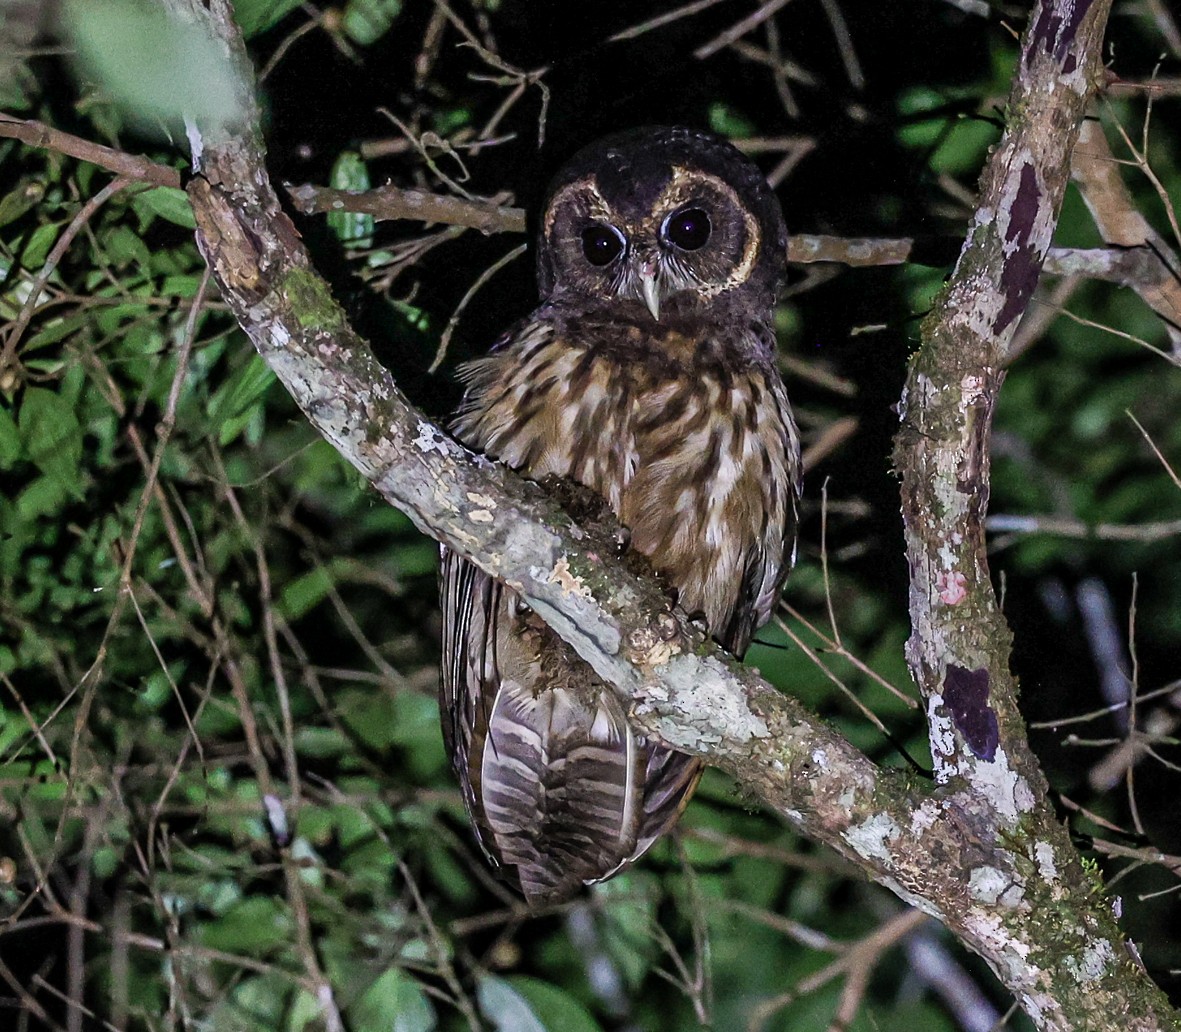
{"x":17,"y":328}
{"x":1061,"y":526}
{"x":739,"y":28}
{"x":687,"y":11}
{"x":126,"y":166}
{"x":484,"y":277}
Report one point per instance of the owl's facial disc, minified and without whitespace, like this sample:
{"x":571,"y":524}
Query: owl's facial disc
{"x":687,"y":237}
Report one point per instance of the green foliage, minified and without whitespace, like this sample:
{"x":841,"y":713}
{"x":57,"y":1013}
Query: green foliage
{"x":218,"y":648}
{"x":156,"y":68}
{"x":529,"y":1005}
{"x":255,"y":16}
{"x":366,"y":21}
{"x":351,"y":228}
{"x":394,"y":1001}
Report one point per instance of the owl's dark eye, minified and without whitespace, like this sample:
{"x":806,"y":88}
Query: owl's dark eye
{"x":689,"y":228}
{"x":601,"y":244}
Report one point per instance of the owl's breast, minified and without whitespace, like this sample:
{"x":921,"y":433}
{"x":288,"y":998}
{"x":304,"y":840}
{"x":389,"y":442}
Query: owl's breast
{"x":697,"y":457}
{"x":715,"y":486}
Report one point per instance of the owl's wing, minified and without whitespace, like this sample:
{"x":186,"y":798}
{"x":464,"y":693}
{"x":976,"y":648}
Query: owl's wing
{"x":768,"y":559}
{"x":764,"y":571}
{"x":469,"y":599}
{"x":560,"y":789}
{"x":669,"y":783}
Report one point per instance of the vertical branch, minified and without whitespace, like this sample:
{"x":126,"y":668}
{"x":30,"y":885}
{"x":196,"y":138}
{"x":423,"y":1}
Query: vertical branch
{"x":959,"y":648}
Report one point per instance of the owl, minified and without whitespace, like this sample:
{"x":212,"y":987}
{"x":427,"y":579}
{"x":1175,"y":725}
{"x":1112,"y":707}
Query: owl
{"x":647,"y":375}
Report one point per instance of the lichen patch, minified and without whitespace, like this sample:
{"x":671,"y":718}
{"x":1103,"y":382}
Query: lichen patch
{"x":1092,"y":963}
{"x":567,"y":580}
{"x":1043,"y":854}
{"x":872,"y":837}
{"x":429,"y":439}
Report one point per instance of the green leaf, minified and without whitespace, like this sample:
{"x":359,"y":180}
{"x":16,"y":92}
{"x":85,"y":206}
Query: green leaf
{"x":304,"y":593}
{"x":252,"y":926}
{"x":557,"y":1009}
{"x":724,"y":120}
{"x":185,"y":286}
{"x":39,"y":246}
{"x":44,"y":495}
{"x":393,"y":1003}
{"x":124,"y":246}
{"x":966,"y":146}
{"x":55,"y":330}
{"x":366,"y":21}
{"x":505,"y":1007}
{"x":255,"y":16}
{"x":168,"y":202}
{"x":158,"y":69}
{"x":232,"y":407}
{"x":305,"y":1011}
{"x":23,"y":197}
{"x":51,"y":436}
{"x":10,"y":442}
{"x":350,"y":173}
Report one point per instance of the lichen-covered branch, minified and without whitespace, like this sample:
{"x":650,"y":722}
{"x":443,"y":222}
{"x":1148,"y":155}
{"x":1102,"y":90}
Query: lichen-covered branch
{"x":959,"y":647}
{"x":982,"y":852}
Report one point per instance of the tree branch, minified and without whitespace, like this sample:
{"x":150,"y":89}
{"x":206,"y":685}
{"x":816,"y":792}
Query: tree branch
{"x":984,"y":852}
{"x":959,"y":648}
{"x":129,"y":166}
{"x":1136,"y":264}
{"x":1139,"y":263}
{"x":1097,"y":173}
{"x":392,"y":202}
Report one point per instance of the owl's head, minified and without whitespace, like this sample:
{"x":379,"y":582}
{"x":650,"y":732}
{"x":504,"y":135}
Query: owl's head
{"x":670,"y":217}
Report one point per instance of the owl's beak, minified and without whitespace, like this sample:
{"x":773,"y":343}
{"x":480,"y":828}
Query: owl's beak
{"x":650,"y":288}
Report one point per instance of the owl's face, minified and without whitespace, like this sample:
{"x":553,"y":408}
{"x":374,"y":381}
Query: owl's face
{"x":671,"y":218}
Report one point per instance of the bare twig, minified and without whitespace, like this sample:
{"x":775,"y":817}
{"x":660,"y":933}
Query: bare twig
{"x":484,"y":277}
{"x":126,"y":166}
{"x":1064,"y":526}
{"x":740,"y":28}
{"x":1173,"y":475}
{"x":687,"y":11}
{"x":856,"y":963}
{"x":391,"y":202}
{"x":844,"y":39}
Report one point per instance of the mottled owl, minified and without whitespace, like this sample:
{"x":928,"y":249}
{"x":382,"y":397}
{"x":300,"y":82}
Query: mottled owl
{"x":647,"y":374}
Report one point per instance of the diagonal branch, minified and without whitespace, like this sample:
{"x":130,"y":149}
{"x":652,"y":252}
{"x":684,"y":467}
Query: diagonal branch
{"x":129,"y":166}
